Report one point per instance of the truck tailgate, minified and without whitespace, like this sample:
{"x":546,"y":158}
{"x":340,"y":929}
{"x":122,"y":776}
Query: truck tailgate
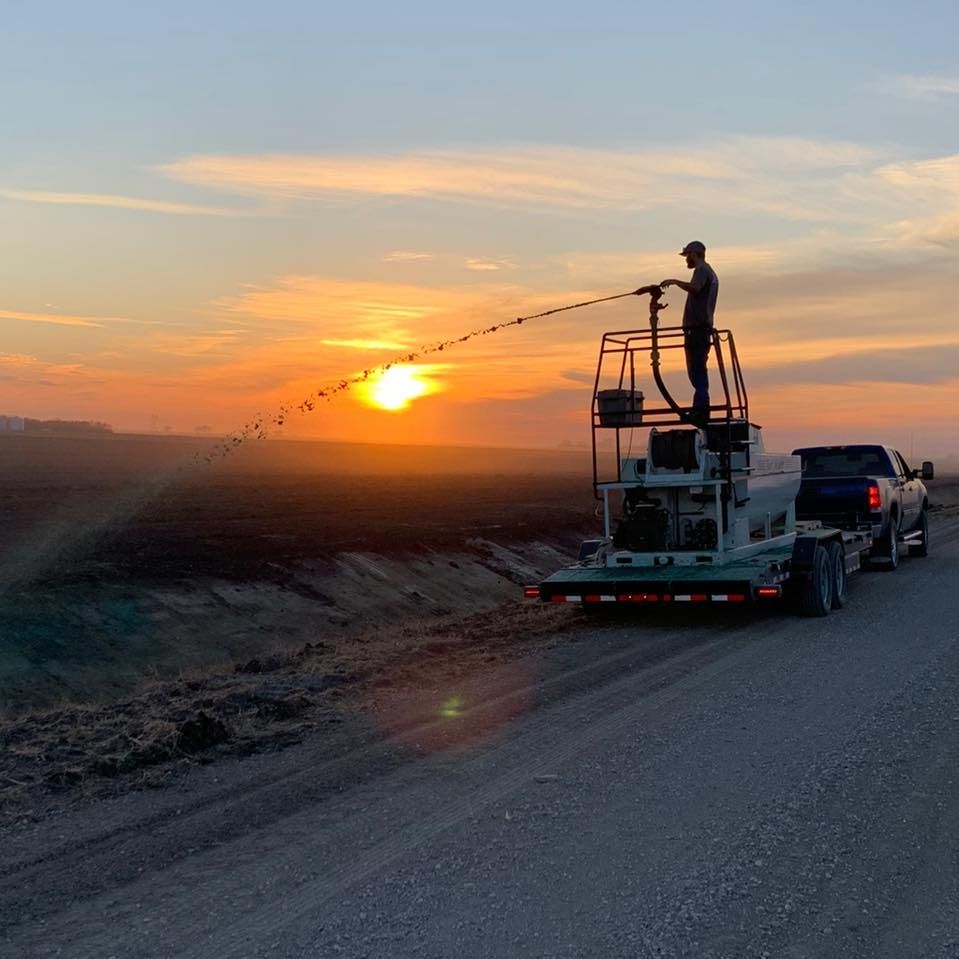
{"x":837,"y":501}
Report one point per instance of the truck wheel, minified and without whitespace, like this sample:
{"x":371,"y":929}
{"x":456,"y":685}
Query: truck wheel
{"x":837,"y":565}
{"x":922,"y":547}
{"x":815,"y":592}
{"x":886,"y":550}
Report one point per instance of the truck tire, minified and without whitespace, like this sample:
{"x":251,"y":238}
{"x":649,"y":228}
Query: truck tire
{"x":837,"y":566}
{"x":886,"y":550}
{"x":922,"y":547}
{"x":815,"y":591}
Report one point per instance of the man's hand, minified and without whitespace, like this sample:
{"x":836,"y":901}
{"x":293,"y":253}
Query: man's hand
{"x":666,"y":283}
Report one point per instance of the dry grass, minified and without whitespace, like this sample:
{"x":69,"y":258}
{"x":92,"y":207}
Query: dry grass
{"x":266,"y":703}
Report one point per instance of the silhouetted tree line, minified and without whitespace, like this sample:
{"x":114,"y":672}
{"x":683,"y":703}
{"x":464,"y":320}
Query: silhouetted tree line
{"x":65,"y":426}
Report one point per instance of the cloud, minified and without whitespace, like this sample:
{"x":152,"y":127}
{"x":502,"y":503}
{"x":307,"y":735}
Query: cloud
{"x":938,"y":231}
{"x":342,"y":309}
{"x":786,"y":176}
{"x":119,"y":202}
{"x":214,"y":342}
{"x":366,"y":344}
{"x":921,"y":86}
{"x":932,"y":180}
{"x":57,"y":319}
{"x":406,"y":256}
{"x":31,"y":370}
{"x":579,"y":376}
{"x":482,"y":264}
{"x":919,"y":366}
{"x":66,"y":319}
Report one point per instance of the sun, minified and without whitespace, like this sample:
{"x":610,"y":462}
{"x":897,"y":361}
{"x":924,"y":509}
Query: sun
{"x":396,"y":388}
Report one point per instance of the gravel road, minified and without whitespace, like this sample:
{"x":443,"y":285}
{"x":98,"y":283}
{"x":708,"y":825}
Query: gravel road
{"x":730,"y":783}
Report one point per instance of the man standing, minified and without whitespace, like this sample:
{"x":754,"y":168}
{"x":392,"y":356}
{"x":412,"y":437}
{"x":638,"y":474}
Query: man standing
{"x":701,"y":293}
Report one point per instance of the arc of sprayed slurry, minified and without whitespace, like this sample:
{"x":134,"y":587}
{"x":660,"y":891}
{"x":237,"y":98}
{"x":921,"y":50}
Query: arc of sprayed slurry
{"x":259,"y":427}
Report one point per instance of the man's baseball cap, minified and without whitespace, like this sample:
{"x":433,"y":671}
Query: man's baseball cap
{"x":694,"y":247}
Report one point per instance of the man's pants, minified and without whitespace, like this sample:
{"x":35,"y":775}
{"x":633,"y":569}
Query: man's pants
{"x":697,"y":343}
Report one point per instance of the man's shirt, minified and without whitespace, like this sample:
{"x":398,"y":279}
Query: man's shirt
{"x":700,"y":307}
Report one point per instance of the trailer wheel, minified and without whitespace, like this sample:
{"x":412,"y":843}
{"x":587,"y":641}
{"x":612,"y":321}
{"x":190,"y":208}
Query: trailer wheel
{"x":837,"y":564}
{"x":922,"y":548}
{"x":815,"y":591}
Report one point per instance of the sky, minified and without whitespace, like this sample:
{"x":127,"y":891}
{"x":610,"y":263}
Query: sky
{"x":211,"y":210}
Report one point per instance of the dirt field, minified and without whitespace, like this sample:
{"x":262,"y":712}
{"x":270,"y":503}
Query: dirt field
{"x":115,"y":567}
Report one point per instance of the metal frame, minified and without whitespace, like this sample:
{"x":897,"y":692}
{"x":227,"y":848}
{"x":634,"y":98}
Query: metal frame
{"x":623,"y":345}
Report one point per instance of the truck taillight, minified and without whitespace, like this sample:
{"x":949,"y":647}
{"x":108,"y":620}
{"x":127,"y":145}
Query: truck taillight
{"x":875,"y":500}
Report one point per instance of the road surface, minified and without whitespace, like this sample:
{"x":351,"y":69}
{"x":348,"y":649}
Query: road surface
{"x":731,"y":783}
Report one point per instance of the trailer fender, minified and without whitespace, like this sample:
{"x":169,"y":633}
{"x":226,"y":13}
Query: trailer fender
{"x":804,"y":549}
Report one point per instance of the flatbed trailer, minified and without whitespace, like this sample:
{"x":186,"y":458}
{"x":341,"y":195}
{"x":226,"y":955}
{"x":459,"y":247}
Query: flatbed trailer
{"x":815,"y":580}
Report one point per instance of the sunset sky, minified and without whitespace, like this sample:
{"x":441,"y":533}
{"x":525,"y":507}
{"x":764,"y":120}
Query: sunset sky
{"x":212,"y":209}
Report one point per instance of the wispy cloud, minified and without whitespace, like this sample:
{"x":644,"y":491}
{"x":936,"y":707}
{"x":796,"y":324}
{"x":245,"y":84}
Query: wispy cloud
{"x":349,"y":310}
{"x":921,"y":86}
{"x":57,"y":319}
{"x":371,"y":344}
{"x":212,"y":343}
{"x":482,"y":264}
{"x":778,"y":175}
{"x":880,"y":363}
{"x":67,"y":319}
{"x":119,"y":202}
{"x":406,"y":256}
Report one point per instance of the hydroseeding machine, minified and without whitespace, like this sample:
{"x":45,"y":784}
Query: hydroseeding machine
{"x":706,"y":515}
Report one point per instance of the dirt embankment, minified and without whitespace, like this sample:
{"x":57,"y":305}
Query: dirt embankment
{"x":117,"y":566}
{"x":403,"y":673}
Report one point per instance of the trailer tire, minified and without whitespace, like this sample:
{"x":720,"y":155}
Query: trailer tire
{"x":815,"y":591}
{"x":837,"y":565}
{"x":922,"y":548}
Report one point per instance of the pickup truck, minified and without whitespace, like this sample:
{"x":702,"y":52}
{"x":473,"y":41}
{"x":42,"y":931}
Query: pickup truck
{"x":868,"y":488}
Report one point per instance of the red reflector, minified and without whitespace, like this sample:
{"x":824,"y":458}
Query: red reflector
{"x":556,"y":598}
{"x":735,"y":598}
{"x":531,"y":592}
{"x":699,"y":597}
{"x":768,"y":592}
{"x":638,"y":598}
{"x":875,"y":500}
{"x":592,"y":599}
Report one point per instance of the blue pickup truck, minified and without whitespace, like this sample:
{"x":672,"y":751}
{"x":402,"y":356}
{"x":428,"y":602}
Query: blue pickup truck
{"x":868,"y":488}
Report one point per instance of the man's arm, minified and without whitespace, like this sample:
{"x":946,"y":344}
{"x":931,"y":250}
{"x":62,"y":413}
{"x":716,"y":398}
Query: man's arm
{"x":696,"y":283}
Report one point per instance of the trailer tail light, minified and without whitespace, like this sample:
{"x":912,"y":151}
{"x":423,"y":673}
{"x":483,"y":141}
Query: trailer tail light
{"x":769,"y":592}
{"x":642,"y":598}
{"x":530,"y":592}
{"x":875,"y":499}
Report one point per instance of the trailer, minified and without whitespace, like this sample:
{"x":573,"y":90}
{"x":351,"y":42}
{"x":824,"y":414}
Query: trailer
{"x":705,"y":514}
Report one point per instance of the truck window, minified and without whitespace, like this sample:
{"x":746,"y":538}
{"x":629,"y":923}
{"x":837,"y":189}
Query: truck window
{"x":901,"y":466}
{"x":848,"y":462}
